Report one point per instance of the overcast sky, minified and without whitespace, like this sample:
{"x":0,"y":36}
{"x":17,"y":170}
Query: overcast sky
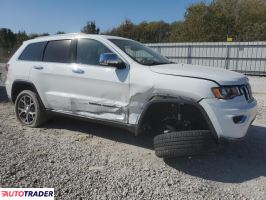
{"x":39,"y":16}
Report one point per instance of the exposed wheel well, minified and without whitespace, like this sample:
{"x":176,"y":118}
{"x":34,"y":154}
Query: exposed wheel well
{"x":175,"y":116}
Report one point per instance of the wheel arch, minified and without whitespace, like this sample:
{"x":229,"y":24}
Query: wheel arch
{"x":20,"y":85}
{"x":171,"y":100}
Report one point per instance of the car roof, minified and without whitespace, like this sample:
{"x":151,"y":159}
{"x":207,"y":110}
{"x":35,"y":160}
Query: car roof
{"x":71,"y":36}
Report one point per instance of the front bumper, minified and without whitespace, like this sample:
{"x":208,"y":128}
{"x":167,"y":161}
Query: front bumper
{"x":223,"y":115}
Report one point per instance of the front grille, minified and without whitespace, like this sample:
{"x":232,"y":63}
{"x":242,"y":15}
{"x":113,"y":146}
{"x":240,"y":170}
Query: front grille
{"x":246,"y":91}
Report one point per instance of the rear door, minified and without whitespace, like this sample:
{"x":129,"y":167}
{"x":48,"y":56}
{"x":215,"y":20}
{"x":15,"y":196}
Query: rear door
{"x":51,"y":76}
{"x":30,"y":57}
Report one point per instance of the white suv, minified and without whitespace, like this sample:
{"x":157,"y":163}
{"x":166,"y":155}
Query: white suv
{"x":121,"y":82}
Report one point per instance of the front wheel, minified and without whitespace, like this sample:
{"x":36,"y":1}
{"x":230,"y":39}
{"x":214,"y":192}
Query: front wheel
{"x":184,"y":143}
{"x":28,"y":109}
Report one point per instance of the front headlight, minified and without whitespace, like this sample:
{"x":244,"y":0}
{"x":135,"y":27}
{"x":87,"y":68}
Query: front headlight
{"x":226,"y":92}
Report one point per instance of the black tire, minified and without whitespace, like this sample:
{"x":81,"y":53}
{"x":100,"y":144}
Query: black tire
{"x":184,"y":143}
{"x":40,"y":114}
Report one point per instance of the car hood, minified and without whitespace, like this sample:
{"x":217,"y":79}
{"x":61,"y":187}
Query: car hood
{"x":220,"y":76}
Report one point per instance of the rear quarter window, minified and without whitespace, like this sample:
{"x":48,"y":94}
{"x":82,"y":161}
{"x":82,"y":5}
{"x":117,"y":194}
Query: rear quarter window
{"x":57,"y":51}
{"x":33,"y":52}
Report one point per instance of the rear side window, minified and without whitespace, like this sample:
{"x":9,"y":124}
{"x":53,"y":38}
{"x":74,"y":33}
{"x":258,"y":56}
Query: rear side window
{"x":57,"y":51}
{"x":33,"y":52}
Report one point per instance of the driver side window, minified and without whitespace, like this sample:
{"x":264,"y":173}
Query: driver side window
{"x":89,"y":51}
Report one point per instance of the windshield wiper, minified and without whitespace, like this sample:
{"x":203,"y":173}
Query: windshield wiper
{"x":158,"y":63}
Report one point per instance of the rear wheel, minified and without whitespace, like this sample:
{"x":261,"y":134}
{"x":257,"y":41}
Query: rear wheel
{"x":184,"y":143}
{"x":28,"y":109}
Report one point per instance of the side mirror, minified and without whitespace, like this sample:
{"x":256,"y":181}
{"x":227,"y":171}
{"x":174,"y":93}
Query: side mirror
{"x":111,"y":59}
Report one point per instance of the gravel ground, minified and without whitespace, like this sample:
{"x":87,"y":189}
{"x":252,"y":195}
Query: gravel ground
{"x":82,"y":160}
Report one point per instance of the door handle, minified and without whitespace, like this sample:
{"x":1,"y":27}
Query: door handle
{"x":78,"y":71}
{"x":38,"y":67}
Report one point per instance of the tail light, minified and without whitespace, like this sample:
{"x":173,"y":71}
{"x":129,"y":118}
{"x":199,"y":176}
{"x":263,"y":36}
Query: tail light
{"x":6,"y":67}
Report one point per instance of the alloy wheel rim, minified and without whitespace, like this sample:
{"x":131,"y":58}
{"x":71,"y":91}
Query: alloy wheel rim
{"x":26,"y":109}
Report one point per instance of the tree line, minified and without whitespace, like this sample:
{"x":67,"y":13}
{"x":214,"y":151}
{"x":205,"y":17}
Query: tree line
{"x":242,"y":20}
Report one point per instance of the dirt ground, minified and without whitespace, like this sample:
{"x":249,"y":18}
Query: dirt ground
{"x":83,"y":160}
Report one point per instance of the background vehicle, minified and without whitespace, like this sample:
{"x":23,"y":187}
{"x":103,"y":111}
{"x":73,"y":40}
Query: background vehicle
{"x":124,"y":83}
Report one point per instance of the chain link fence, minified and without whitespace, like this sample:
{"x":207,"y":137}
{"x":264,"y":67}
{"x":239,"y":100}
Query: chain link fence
{"x":244,"y":57}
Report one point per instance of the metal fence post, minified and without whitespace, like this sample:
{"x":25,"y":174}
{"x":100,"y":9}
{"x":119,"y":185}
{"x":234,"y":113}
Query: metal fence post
{"x":227,"y":57}
{"x":159,"y":50}
{"x":189,"y":61}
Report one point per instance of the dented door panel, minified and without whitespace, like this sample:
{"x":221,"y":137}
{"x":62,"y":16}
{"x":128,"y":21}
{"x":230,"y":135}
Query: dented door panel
{"x":101,"y":92}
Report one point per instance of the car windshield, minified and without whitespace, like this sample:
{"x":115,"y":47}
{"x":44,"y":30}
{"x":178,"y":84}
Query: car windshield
{"x":140,"y":53}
